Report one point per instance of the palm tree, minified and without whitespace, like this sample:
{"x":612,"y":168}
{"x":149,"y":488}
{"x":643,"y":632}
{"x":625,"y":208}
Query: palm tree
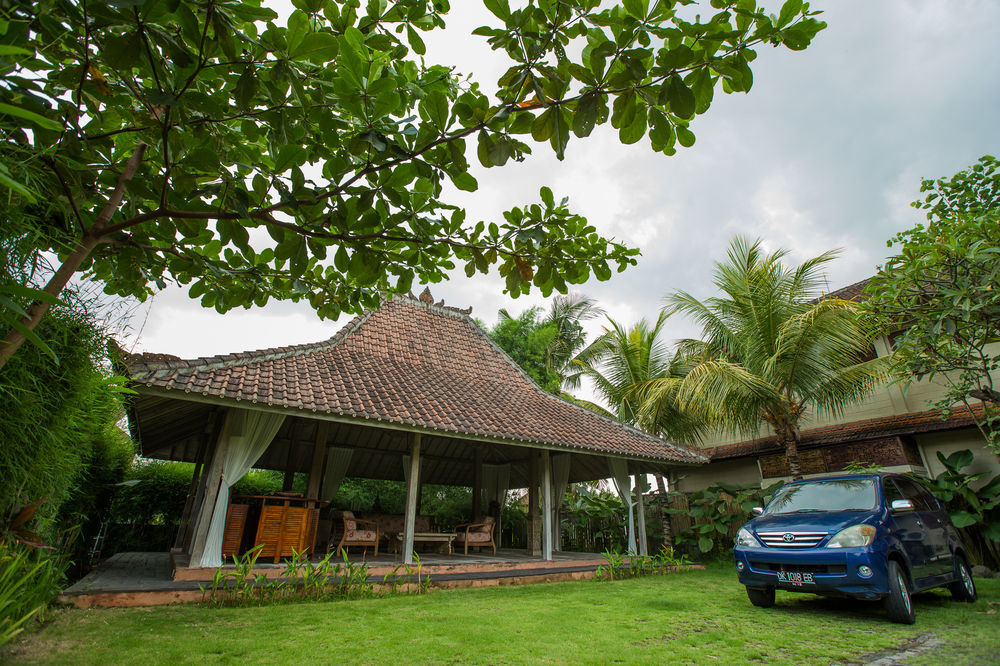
{"x":567,"y":313}
{"x":772,"y":348}
{"x":622,"y":363}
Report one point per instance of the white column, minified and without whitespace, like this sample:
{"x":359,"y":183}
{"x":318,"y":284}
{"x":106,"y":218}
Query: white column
{"x":412,"y":488}
{"x":546,"y":506}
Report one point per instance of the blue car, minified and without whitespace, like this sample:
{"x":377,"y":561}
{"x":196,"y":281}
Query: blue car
{"x":865,"y":536}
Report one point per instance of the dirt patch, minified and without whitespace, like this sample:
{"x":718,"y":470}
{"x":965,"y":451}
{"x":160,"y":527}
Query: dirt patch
{"x":915,"y":646}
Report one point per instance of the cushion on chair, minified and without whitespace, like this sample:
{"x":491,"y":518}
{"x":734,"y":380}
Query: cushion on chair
{"x":349,"y":523}
{"x":477,"y":537}
{"x":360,"y":535}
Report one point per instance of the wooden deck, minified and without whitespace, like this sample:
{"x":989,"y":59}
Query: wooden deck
{"x":152,"y":579}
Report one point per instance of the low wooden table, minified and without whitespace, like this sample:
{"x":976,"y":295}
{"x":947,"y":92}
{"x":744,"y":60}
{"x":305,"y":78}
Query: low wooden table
{"x":443,"y":538}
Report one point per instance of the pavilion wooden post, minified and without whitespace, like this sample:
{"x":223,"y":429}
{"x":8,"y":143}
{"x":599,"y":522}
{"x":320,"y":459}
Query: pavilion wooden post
{"x":477,"y":485}
{"x":412,"y":495}
{"x":213,"y":479}
{"x":640,"y":510}
{"x":183,"y":528}
{"x":546,"y":506}
{"x":318,"y":460}
{"x":534,"y":528}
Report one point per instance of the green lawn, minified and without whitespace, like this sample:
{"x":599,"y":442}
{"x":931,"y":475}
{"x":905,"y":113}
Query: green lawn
{"x":691,"y":617}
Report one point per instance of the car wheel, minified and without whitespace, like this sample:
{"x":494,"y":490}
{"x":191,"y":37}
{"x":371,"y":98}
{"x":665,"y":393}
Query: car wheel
{"x":898,"y":604}
{"x":964,"y":588}
{"x":762,"y":597}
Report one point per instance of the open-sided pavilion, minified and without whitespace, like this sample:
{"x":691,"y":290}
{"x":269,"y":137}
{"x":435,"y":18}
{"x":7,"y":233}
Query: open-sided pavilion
{"x":412,"y":391}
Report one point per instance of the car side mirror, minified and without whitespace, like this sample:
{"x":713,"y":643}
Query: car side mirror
{"x":901,"y":505}
{"x":757,"y":510}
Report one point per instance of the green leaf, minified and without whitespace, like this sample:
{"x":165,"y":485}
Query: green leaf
{"x":705,"y":544}
{"x":636,"y":8}
{"x":585,"y":116}
{"x":246,"y":89}
{"x":317,"y":48}
{"x":636,"y":129}
{"x":30,"y":116}
{"x":789,"y":10}
{"x":434,"y":109}
{"x":544,"y":125}
{"x":499,"y":8}
{"x":289,"y":156}
{"x":685,"y":137}
{"x":416,"y":43}
{"x":12,"y":184}
{"x":465,"y":181}
{"x":123,"y":52}
{"x":682,"y":101}
{"x":963,"y":519}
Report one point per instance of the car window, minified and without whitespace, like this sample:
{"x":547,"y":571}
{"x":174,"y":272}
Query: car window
{"x":891,"y":492}
{"x":913,"y":491}
{"x":826,"y":495}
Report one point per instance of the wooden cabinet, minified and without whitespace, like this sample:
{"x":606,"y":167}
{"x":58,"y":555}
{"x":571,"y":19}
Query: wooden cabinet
{"x":285,"y":524}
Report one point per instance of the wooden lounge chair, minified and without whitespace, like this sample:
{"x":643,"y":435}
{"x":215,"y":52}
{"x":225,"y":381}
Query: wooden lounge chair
{"x":476,"y":535}
{"x":356,"y":532}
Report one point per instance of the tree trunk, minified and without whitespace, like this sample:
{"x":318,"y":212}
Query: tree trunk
{"x":661,"y":500}
{"x":792,"y":452}
{"x":37,"y":310}
{"x":90,"y":240}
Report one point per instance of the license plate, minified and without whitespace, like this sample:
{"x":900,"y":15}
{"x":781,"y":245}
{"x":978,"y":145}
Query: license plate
{"x":795,"y":578}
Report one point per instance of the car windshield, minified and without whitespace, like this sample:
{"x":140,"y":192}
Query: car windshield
{"x":831,"y":495}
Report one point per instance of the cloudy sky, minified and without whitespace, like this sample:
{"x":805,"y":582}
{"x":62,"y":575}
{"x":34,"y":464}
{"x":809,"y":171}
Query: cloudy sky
{"x":826,"y":151}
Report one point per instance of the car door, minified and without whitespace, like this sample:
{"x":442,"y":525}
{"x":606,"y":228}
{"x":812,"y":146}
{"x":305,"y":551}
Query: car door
{"x":935,"y":524}
{"x":908,"y":529}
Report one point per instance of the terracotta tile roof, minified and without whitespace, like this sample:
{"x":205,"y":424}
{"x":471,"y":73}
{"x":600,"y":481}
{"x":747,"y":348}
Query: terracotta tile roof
{"x":852,"y":292}
{"x":410,"y":362}
{"x":886,"y":426}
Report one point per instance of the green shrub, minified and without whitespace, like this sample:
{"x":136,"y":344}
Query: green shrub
{"x":29,"y":580}
{"x":974,"y":511}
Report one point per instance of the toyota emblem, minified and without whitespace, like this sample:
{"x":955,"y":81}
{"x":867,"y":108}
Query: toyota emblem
{"x":788,"y":537}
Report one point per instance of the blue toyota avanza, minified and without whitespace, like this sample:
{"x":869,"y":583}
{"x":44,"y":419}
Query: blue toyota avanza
{"x":866,"y":536}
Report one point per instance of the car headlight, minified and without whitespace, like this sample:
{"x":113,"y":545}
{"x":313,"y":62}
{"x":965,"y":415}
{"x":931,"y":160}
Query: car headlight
{"x":745,"y":538}
{"x":854,"y":536}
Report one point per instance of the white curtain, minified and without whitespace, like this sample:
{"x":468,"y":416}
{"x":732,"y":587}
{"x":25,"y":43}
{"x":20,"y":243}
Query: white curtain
{"x":560,"y":481}
{"x":640,"y":511}
{"x":496,"y":483}
{"x":619,"y":475}
{"x":249,"y":437}
{"x":337,"y":461}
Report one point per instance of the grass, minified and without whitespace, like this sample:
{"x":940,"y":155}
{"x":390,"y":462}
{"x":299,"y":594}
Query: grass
{"x":691,"y":617}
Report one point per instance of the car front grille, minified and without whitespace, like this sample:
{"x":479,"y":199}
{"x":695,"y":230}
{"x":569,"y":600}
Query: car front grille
{"x":791,"y":539}
{"x":799,"y":568}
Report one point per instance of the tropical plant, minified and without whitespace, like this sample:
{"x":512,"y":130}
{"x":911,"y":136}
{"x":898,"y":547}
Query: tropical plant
{"x":592,"y":519}
{"x":974,"y":511}
{"x":567,"y":314}
{"x":207,"y":143}
{"x":773,"y":348}
{"x":527,"y":340}
{"x":716,"y":513}
{"x":622,"y":364}
{"x":29,"y":580}
{"x":938,"y":296}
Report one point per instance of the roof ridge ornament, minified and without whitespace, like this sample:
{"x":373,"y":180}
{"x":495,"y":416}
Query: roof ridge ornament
{"x":428,"y":299}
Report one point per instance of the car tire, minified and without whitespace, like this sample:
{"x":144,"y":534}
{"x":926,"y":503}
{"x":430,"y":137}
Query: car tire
{"x":761,"y":597}
{"x":964,"y":587}
{"x":898,"y":604}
